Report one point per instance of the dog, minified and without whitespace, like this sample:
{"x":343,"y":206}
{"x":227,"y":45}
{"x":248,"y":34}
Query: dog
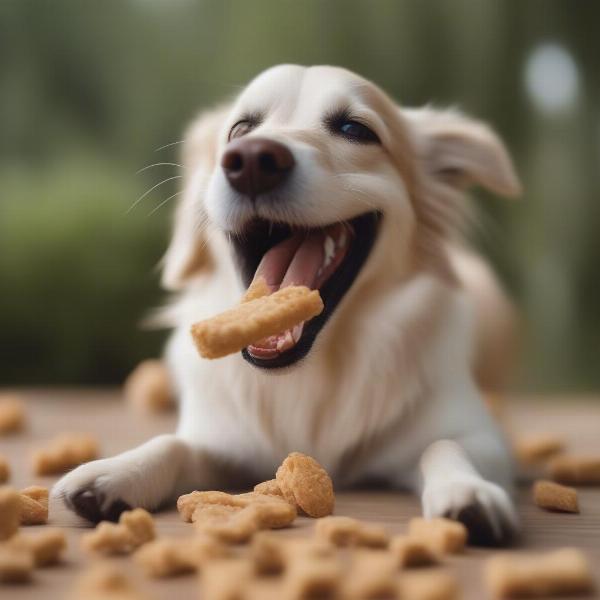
{"x":315,"y":176}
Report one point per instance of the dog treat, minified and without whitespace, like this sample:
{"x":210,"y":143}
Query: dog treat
{"x":12,"y":413}
{"x":270,"y":488}
{"x":10,"y":512}
{"x":16,"y":564}
{"x":553,"y":496}
{"x":373,"y":574}
{"x":538,"y":448}
{"x":4,"y":470}
{"x":429,"y":585}
{"x":309,"y":577}
{"x":65,"y":452}
{"x":34,"y":505}
{"x":167,"y":557}
{"x":46,"y":547}
{"x":258,"y":288}
{"x":443,"y":535}
{"x":105,"y":582}
{"x":225,"y":579}
{"x":410,"y":551}
{"x":135,"y":528}
{"x":267,"y":554}
{"x":560,"y":572}
{"x":149,"y":387}
{"x":345,"y":531}
{"x":254,"y":320}
{"x":235,"y":518}
{"x":576,"y":470}
{"x":305,"y":483}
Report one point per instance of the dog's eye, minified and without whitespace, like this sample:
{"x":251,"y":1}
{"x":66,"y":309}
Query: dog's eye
{"x":358,"y":132}
{"x":241,"y":128}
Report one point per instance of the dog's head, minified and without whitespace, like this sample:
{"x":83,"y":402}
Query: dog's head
{"x":314,"y":176}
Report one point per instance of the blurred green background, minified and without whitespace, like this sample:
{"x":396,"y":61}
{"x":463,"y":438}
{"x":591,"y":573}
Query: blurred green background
{"x":89,"y":90}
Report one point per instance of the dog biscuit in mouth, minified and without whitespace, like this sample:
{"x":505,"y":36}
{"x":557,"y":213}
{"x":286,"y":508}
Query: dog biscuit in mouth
{"x":276,"y":314}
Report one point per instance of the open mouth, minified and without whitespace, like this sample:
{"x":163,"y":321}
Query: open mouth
{"x":327,"y":259}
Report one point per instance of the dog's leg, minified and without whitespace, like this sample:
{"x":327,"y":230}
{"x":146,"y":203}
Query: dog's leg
{"x":146,"y":476}
{"x":453,"y":487}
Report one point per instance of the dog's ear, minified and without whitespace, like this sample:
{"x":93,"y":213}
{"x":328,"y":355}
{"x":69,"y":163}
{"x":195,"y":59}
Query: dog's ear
{"x":462,"y":152}
{"x":188,"y":254}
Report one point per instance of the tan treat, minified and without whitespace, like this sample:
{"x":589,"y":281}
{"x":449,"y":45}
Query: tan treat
{"x":251,"y":321}
{"x":412,"y":552}
{"x":538,"y":448}
{"x":149,"y":387}
{"x":16,"y":564}
{"x":65,"y":452}
{"x":225,"y":579}
{"x":295,"y":548}
{"x":553,"y":496}
{"x":304,"y":482}
{"x":555,"y":573}
{"x":46,"y":546}
{"x":167,"y":557}
{"x":135,"y":527}
{"x":39,"y":493}
{"x":429,"y":585}
{"x":10,"y":512}
{"x":345,"y":531}
{"x":576,"y":470}
{"x":443,"y":535}
{"x":12,"y":414}
{"x":4,"y":470}
{"x":34,"y":505}
{"x":105,"y":582}
{"x":310,"y":577}
{"x":267,"y":554}
{"x":258,"y":288}
{"x":269,"y":488}
{"x":373,"y":574}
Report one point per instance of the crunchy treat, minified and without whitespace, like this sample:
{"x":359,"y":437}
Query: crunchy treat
{"x":373,"y":574}
{"x":149,"y":387}
{"x":105,"y":582}
{"x":10,"y":512}
{"x":443,"y":535}
{"x":4,"y":470}
{"x":410,"y":551}
{"x":254,"y":320}
{"x":225,"y":579}
{"x":65,"y":452}
{"x":267,"y":554}
{"x":305,"y":483}
{"x":258,"y":288}
{"x":135,"y":528}
{"x":555,"y":573}
{"x":309,"y":577}
{"x":538,"y":448}
{"x":12,"y":413}
{"x":34,"y":505}
{"x":345,"y":531}
{"x":234,"y":518}
{"x":553,"y":496}
{"x":167,"y":557}
{"x":46,"y":547}
{"x":576,"y":470}
{"x":430,"y":585}
{"x":16,"y":564}
{"x":269,"y":488}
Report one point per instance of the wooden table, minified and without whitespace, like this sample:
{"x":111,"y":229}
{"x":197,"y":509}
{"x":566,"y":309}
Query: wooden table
{"x":105,"y":414}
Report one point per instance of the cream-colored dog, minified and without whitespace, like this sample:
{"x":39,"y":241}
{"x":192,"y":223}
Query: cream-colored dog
{"x":315,"y":176}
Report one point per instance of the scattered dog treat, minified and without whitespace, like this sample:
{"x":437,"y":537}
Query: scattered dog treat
{"x":12,"y":413}
{"x":305,"y":483}
{"x":556,"y":573}
{"x":372,"y":574}
{"x":149,"y":387}
{"x":10,"y":512}
{"x":105,"y":582}
{"x":4,"y":470}
{"x":576,"y":470}
{"x":16,"y":564}
{"x":225,"y":579}
{"x":46,"y":547}
{"x":429,"y":585}
{"x":553,"y":496}
{"x":65,"y":452}
{"x":135,"y":528}
{"x":309,"y":577}
{"x":410,"y":551}
{"x":258,"y":288}
{"x":167,"y":557}
{"x":254,"y":320}
{"x":267,"y":554}
{"x":34,"y":505}
{"x":270,"y":488}
{"x":235,"y":518}
{"x":345,"y":531}
{"x":443,"y":535}
{"x":538,"y":448}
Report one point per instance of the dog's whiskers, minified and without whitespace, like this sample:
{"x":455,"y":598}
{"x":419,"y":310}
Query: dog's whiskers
{"x":158,"y":164}
{"x":164,"y":202}
{"x":169,"y":145}
{"x":151,"y":190}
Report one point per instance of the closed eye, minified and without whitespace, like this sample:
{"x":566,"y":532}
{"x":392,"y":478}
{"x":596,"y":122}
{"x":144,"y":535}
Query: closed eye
{"x":244,"y":126}
{"x":351,"y":129}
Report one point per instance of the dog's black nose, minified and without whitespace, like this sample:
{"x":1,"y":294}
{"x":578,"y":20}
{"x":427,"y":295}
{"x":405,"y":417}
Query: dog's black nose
{"x":255,"y":165}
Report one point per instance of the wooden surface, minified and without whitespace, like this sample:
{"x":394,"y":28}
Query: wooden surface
{"x":119,"y":427}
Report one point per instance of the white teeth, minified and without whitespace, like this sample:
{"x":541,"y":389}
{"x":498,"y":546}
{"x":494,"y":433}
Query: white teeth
{"x":342,"y":239}
{"x":297,"y":332}
{"x":329,"y":247}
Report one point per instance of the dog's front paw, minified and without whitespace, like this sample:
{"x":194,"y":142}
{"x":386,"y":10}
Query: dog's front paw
{"x":483,"y":507}
{"x":97,"y":491}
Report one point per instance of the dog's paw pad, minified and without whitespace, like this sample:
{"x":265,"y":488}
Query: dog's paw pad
{"x":88,"y":503}
{"x":484,"y":528}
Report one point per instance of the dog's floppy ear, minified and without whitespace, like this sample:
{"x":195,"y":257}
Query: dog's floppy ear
{"x":462,"y":152}
{"x":188,"y":254}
